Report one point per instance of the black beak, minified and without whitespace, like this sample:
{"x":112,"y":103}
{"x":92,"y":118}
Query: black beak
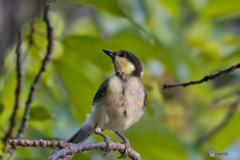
{"x":109,"y":53}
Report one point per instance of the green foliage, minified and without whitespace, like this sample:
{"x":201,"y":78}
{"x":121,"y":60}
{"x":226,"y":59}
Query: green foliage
{"x":39,"y":113}
{"x":3,"y":154}
{"x":177,"y":41}
{"x":220,"y":8}
{"x":105,"y":5}
{"x":1,"y":108}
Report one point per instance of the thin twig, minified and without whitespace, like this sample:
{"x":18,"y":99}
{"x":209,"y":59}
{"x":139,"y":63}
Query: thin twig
{"x":231,"y":112}
{"x":205,"y":79}
{"x":217,"y":100}
{"x":18,"y":89}
{"x":71,"y":149}
{"x":30,"y":40}
{"x":39,"y":75}
{"x":35,"y":83}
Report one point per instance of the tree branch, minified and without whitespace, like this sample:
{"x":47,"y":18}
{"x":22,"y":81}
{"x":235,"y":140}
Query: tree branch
{"x":18,"y":90}
{"x":231,"y":112}
{"x":35,"y":83}
{"x":205,"y":79}
{"x":70,"y":148}
{"x":39,"y":75}
{"x":38,"y":143}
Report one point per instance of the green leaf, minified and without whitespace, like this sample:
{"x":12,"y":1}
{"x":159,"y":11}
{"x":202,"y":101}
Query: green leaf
{"x":3,"y":154}
{"x":1,"y":107}
{"x":83,"y":46}
{"x":217,"y":8}
{"x":58,"y":23}
{"x":8,"y":96}
{"x":39,"y":113}
{"x":152,"y":140}
{"x":81,"y":80}
{"x":231,"y":136}
{"x":173,"y":7}
{"x":105,"y":5}
{"x":83,"y":26}
{"x":58,"y":50}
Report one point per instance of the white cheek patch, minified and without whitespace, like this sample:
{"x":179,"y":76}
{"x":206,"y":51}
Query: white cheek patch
{"x":123,"y":65}
{"x":141,"y":74}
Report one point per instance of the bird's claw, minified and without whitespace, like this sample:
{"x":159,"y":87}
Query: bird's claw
{"x":125,"y":153}
{"x":108,"y":147}
{"x":107,"y":140}
{"x":127,"y":145}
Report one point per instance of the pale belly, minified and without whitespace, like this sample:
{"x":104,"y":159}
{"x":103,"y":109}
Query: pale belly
{"x":115,"y":118}
{"x":121,"y":109}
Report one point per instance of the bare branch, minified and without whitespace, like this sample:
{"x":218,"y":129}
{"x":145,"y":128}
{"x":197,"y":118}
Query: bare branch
{"x":231,"y":112}
{"x":17,"y":91}
{"x":205,"y":79}
{"x":39,"y":75}
{"x":70,"y":148}
{"x":38,"y":143}
{"x":35,"y":83}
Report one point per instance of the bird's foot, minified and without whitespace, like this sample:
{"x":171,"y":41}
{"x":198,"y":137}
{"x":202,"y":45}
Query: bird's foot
{"x":127,"y":144}
{"x":127,"y":149}
{"x":107,"y":140}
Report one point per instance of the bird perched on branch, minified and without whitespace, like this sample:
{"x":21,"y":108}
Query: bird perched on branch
{"x":119,"y":101}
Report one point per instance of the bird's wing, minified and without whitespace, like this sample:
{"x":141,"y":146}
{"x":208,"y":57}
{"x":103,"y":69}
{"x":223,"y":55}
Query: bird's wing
{"x":145,"y":99}
{"x":101,"y":91}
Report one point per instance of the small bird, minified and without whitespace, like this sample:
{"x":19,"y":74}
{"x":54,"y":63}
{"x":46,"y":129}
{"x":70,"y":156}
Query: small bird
{"x":119,"y":102}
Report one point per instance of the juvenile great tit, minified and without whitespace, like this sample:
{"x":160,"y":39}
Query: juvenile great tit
{"x":119,"y":101}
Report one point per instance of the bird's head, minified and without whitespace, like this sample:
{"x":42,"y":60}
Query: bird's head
{"x":125,"y":62}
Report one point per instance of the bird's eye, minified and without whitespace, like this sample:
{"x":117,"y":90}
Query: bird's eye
{"x":121,"y":54}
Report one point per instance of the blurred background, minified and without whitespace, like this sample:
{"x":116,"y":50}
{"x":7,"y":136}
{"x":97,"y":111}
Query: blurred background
{"x":176,"y":40}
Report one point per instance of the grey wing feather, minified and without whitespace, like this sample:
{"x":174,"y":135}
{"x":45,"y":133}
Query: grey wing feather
{"x":145,"y":99}
{"x":101,"y":91}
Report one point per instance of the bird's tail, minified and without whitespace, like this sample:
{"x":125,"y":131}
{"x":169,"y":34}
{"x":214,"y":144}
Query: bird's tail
{"x":81,"y":135}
